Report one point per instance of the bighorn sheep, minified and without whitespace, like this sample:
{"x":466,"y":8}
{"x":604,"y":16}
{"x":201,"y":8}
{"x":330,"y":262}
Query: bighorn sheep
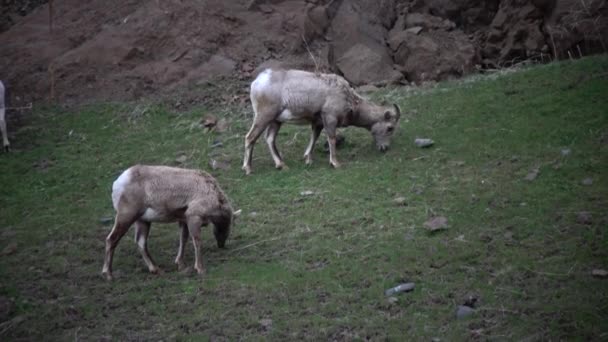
{"x":144,"y":194}
{"x":5,"y":142}
{"x":323,"y":101}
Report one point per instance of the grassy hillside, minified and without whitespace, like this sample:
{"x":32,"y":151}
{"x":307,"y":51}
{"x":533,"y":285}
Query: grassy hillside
{"x":316,"y":267}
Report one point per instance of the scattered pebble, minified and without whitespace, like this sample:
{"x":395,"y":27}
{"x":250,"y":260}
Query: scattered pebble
{"x":393,"y":300}
{"x":253,"y":214}
{"x":106,"y":220}
{"x":565,"y":152}
{"x":400,"y":201}
{"x":599,"y":273}
{"x":532,"y":174}
{"x":587,"y":181}
{"x":218,"y":165}
{"x":405,"y":287}
{"x":584,"y":217}
{"x":423,"y":142}
{"x":464,"y":311}
{"x":266,"y":323}
{"x":436,"y":223}
{"x":514,"y":159}
{"x":221,"y":126}
{"x":181,"y":159}
{"x":307,"y":193}
{"x":209,"y":122}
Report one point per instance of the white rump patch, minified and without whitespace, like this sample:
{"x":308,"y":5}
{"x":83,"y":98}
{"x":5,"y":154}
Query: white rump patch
{"x":119,"y":185}
{"x":262,"y":81}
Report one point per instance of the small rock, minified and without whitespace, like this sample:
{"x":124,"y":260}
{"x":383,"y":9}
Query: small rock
{"x":584,"y":217}
{"x":253,"y":214}
{"x":393,"y":300}
{"x":209,"y":122}
{"x":565,"y":152}
{"x":181,"y":159}
{"x":599,"y":273}
{"x":222,"y":126}
{"x":218,"y":165}
{"x":406,"y":287}
{"x":464,"y":311}
{"x":471,"y":300}
{"x":436,"y":223}
{"x":587,"y":181}
{"x":9,"y":249}
{"x":424,"y":142}
{"x":106,"y":220}
{"x":514,"y":159}
{"x":307,"y":193}
{"x":532,"y":174}
{"x":266,"y":323}
{"x":400,"y":201}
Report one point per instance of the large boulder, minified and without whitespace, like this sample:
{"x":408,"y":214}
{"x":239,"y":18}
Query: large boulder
{"x":515,"y":33}
{"x":358,"y":50}
{"x":427,"y":47}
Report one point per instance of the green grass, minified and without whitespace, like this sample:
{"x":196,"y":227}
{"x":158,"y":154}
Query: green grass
{"x":317,"y":266}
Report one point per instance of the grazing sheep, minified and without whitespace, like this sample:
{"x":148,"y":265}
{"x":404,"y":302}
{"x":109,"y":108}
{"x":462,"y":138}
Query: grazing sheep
{"x":323,"y":101}
{"x":5,"y":142}
{"x":144,"y":194}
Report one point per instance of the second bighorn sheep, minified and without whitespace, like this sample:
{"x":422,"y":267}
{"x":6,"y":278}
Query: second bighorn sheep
{"x":323,"y":101}
{"x":5,"y":142}
{"x":144,"y":194}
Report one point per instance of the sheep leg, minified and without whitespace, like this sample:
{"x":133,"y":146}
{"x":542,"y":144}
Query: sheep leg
{"x":314,"y":135}
{"x":271,"y":135}
{"x":330,"y":125}
{"x":183,"y":238}
{"x":194,"y":227}
{"x":5,"y":142}
{"x":142,"y":230}
{"x":122,"y":223}
{"x":252,"y":136}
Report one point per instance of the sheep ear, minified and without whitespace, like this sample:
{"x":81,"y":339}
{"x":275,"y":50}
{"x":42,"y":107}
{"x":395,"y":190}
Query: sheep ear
{"x":397,"y":110}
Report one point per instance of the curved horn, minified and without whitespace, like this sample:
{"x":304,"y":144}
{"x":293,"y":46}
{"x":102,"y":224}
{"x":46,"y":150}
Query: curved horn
{"x":397,"y":110}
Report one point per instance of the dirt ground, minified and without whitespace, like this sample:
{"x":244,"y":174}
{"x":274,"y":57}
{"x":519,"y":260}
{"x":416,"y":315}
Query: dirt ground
{"x":125,"y":50}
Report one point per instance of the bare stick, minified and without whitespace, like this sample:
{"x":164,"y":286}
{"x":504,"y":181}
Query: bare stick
{"x":310,"y":53}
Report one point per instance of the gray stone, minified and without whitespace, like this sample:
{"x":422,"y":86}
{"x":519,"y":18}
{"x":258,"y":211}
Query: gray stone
{"x":405,"y":287}
{"x":423,"y":142}
{"x":464,"y":311}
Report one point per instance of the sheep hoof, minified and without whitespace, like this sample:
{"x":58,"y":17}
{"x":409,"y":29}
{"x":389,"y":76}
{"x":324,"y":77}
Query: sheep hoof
{"x":308,"y":160}
{"x":7,"y":149}
{"x":247,"y":170}
{"x":336,"y":165}
{"x":282,"y":166}
{"x":157,"y":271}
{"x":180,"y":266}
{"x":201,"y":271}
{"x":107,"y":275}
